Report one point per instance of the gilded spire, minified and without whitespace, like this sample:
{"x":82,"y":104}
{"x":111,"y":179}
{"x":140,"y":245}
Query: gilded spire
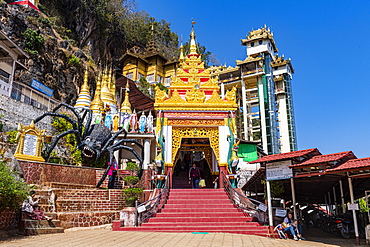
{"x":193,"y":45}
{"x":113,"y":87}
{"x":126,"y":106}
{"x":181,"y":59}
{"x":106,"y":94}
{"x":97,"y":104}
{"x":84,"y":99}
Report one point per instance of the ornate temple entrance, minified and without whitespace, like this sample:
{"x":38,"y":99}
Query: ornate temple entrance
{"x":192,"y":117}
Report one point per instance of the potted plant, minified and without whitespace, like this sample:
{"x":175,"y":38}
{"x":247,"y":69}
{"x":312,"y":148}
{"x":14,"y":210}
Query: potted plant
{"x":132,"y":193}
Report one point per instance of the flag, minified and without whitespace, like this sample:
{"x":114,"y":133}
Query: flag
{"x":25,"y":3}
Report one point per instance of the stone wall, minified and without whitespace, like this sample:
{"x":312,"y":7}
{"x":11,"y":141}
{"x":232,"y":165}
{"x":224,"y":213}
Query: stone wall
{"x":17,"y":112}
{"x":8,"y":219}
{"x":41,"y":173}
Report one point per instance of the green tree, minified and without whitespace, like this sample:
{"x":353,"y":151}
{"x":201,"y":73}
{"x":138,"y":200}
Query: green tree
{"x":12,"y":192}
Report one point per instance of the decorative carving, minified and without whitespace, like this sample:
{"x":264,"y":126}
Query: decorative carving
{"x":160,"y":95}
{"x":230,"y":95}
{"x":179,"y":133}
{"x":195,"y":96}
{"x":196,"y":122}
{"x":175,"y":98}
{"x":215,"y":98}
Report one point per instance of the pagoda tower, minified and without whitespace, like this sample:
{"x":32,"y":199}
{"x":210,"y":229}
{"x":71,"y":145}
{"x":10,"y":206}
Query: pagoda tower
{"x":192,"y":109}
{"x":84,"y":99}
{"x":97,"y":104}
{"x":106,"y":94}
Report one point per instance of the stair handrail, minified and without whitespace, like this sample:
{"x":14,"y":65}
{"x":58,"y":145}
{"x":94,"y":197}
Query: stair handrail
{"x":146,"y":209}
{"x":242,"y":202}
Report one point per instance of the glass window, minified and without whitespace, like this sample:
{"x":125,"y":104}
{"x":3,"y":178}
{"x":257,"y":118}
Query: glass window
{"x":140,"y":76}
{"x":167,"y":81}
{"x":150,"y":78}
{"x":252,"y":44}
{"x":129,"y":75}
{"x":160,"y":78}
{"x":260,"y":42}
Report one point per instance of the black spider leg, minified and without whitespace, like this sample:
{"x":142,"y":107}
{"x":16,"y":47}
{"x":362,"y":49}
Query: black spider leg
{"x":52,"y":146}
{"x":88,"y":122}
{"x":110,"y":140}
{"x":71,"y":108}
{"x":111,"y":156}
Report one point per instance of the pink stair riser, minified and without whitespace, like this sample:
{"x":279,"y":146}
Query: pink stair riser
{"x":199,"y":210}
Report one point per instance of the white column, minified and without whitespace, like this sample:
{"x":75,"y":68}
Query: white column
{"x":262,"y":114}
{"x":167,"y":132}
{"x":12,"y":78}
{"x":353,"y":211}
{"x":269,"y":203}
{"x":222,"y":90}
{"x":116,"y":156}
{"x":342,"y":196}
{"x":293,"y":198}
{"x":246,"y":123}
{"x":146,"y":154}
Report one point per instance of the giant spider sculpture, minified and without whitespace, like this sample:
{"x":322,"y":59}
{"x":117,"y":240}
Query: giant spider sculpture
{"x":94,"y":140}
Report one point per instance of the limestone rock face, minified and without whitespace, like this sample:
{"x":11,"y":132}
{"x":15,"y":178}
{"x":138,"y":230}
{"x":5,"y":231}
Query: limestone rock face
{"x":52,"y":64}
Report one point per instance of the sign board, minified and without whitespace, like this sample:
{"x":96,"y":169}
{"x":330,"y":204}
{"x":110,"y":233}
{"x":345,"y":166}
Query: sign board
{"x":353,"y":206}
{"x":279,"y":170}
{"x":280,"y":212}
{"x":141,"y":209}
{"x":42,"y":88}
{"x":262,"y":207}
{"x":30,"y":144}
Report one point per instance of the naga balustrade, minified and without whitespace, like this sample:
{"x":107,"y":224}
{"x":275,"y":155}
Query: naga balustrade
{"x":147,"y":209}
{"x":249,"y":206}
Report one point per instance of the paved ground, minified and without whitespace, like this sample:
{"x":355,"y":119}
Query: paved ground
{"x":106,"y":237}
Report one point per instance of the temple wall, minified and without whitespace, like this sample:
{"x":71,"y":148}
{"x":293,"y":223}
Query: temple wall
{"x":17,"y":112}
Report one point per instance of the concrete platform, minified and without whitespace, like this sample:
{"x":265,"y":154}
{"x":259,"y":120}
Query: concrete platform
{"x":105,"y":237}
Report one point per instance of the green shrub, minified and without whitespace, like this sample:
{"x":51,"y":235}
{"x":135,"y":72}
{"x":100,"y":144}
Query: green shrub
{"x":34,"y":41}
{"x":132,"y":167}
{"x":132,"y":180}
{"x":73,"y":60}
{"x":12,"y":136}
{"x":12,"y":192}
{"x":131,"y":195}
{"x":45,"y":21}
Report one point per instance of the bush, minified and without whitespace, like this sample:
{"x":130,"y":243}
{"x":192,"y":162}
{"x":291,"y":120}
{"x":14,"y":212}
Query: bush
{"x":34,"y":41}
{"x":132,"y":180}
{"x":73,"y":60}
{"x":131,"y":195}
{"x":12,"y":192}
{"x":12,"y":136}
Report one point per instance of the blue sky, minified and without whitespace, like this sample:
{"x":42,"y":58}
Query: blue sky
{"x":328,"y":42}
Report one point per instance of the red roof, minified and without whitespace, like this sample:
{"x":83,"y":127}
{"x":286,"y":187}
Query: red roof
{"x":290,"y":155}
{"x":326,"y":158}
{"x":355,"y":164}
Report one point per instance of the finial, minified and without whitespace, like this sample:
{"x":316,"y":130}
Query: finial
{"x":181,"y":53}
{"x":193,"y":45}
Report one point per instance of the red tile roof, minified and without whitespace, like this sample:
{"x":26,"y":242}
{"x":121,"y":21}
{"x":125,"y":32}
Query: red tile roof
{"x":290,"y":155}
{"x":352,"y":165}
{"x":326,"y":158}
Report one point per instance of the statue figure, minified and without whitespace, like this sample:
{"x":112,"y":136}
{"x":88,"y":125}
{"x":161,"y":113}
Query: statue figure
{"x":133,"y":121}
{"x":125,"y":121}
{"x":142,"y":122}
{"x":149,"y":123}
{"x":108,"y":118}
{"x":115,"y":122}
{"x":97,"y":119}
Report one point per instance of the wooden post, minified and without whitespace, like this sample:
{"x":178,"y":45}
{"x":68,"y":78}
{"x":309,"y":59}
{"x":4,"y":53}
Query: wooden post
{"x":335,"y":201}
{"x":293,"y":198}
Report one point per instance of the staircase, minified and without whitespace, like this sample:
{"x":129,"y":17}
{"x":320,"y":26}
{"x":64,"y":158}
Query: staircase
{"x":199,"y":210}
{"x":35,"y":227}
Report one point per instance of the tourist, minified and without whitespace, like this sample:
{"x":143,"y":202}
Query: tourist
{"x":30,"y":207}
{"x":112,"y":174}
{"x":293,"y":227}
{"x":194,"y":176}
